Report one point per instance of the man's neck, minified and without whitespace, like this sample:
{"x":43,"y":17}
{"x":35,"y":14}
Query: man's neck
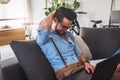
{"x":64,"y":37}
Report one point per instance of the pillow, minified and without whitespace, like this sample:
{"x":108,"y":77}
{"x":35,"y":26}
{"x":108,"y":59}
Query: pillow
{"x":32,"y":60}
{"x":83,"y":47}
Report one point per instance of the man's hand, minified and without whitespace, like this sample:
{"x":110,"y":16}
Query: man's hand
{"x":47,"y":22}
{"x":89,"y":68}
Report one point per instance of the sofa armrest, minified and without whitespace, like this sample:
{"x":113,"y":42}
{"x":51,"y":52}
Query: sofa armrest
{"x":11,"y":70}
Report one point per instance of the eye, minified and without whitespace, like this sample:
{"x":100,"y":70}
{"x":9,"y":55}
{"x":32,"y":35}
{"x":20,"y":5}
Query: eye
{"x":65,"y":27}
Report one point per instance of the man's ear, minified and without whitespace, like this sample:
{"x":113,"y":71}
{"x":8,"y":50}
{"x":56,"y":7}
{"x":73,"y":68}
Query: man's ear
{"x":55,"y":19}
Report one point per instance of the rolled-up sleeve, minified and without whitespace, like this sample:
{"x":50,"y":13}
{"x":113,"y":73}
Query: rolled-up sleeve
{"x":78,"y":52}
{"x":42,"y":36}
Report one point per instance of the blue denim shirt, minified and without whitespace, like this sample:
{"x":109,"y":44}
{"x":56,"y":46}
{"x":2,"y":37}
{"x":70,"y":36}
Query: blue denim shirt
{"x":69,"y":51}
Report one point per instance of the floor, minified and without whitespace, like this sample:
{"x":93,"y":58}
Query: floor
{"x":6,"y":52}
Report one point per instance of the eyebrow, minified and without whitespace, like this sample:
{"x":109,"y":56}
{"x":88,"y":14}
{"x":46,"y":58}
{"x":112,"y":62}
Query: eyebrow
{"x":64,"y":25}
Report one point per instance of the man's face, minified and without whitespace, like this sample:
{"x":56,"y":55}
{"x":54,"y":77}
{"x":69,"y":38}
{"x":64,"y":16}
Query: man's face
{"x":62,"y":27}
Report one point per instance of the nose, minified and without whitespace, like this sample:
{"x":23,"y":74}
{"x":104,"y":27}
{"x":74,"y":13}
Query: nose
{"x":65,"y":30}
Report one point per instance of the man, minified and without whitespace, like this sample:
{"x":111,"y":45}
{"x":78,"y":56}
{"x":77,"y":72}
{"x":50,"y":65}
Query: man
{"x":52,"y":33}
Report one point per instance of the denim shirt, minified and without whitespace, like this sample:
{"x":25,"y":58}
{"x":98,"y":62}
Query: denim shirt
{"x":69,"y":51}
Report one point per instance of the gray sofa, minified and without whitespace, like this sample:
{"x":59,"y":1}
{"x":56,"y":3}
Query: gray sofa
{"x":102,"y":42}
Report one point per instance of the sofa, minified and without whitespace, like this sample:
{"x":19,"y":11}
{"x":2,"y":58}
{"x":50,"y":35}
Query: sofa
{"x":31,"y":64}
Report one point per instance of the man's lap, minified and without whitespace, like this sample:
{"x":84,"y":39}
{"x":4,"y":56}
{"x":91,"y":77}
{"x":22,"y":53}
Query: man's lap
{"x":80,"y":75}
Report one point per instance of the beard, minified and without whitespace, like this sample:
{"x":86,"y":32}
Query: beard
{"x":60,"y":32}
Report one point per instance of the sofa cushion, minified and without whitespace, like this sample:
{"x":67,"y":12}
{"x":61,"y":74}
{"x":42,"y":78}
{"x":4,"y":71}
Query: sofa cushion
{"x":32,"y":60}
{"x":83,"y":46}
{"x":102,"y":42}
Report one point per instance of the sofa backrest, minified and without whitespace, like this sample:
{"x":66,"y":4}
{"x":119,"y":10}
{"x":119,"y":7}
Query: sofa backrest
{"x":102,"y":42}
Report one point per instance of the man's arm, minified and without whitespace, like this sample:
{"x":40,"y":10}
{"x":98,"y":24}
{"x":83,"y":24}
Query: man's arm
{"x":47,"y":22}
{"x":44,"y":29}
{"x":88,"y":67}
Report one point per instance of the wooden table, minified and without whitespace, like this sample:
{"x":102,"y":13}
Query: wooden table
{"x":6,"y":35}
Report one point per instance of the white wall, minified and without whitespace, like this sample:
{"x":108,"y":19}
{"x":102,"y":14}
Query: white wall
{"x":96,"y":10}
{"x":37,"y":14}
{"x":14,"y":9}
{"x":38,"y":10}
{"x":116,"y":5}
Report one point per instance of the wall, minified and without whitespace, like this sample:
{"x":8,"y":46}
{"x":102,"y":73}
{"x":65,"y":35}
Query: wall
{"x":96,"y":10}
{"x":37,"y":14}
{"x":14,"y":9}
{"x":116,"y":5}
{"x":38,"y":10}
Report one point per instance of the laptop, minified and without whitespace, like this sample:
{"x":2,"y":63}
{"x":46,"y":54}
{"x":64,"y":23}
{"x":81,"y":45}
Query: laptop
{"x":105,"y":68}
